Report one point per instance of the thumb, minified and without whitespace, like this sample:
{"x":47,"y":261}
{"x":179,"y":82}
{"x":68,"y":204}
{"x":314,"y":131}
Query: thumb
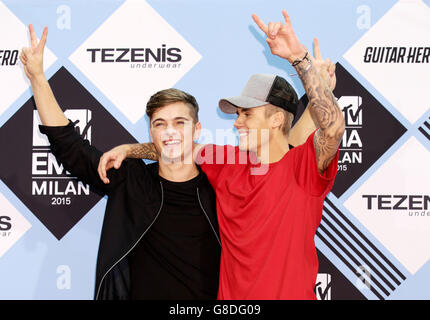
{"x":117,"y":163}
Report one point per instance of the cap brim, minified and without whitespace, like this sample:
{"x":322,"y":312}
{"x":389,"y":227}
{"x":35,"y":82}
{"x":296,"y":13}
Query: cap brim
{"x":230,"y":105}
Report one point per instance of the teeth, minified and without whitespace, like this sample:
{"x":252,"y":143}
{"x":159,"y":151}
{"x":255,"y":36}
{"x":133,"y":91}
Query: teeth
{"x":172,"y":142}
{"x":241,"y":134}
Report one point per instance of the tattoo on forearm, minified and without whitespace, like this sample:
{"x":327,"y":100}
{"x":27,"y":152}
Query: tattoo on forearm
{"x":143,"y":151}
{"x":325,"y":112}
{"x":325,"y":150}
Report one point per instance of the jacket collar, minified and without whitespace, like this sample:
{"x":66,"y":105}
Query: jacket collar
{"x":153,"y":169}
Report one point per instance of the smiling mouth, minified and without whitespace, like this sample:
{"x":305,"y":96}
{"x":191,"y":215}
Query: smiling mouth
{"x":171,"y":142}
{"x":243,"y":133}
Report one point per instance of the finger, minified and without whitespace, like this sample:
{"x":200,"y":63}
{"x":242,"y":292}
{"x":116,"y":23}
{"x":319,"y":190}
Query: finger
{"x":118,"y":162}
{"x":104,"y":159}
{"x":328,"y":63}
{"x":287,"y":19}
{"x":42,"y":42}
{"x":260,"y":23}
{"x":332,"y":69}
{"x":317,"y":52}
{"x":109,"y":165}
{"x":269,"y":42}
{"x":270,"y":29}
{"x":25,"y":51}
{"x":276,"y":28}
{"x":22,"y":60}
{"x":33,"y":37}
{"x":22,"y":55}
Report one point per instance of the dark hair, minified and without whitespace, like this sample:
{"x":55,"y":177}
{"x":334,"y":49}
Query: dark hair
{"x":168,"y":96}
{"x":288,"y":117}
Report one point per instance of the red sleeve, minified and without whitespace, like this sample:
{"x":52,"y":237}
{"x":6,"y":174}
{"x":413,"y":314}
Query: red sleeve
{"x":213,"y":158}
{"x":306,"y":170}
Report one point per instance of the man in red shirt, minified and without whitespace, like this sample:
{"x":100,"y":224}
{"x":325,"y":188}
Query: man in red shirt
{"x":270,"y":197}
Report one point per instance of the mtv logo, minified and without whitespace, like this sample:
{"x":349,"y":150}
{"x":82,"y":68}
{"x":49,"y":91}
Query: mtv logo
{"x":323,"y":286}
{"x":352,"y":110}
{"x":80,"y":117}
{"x":35,"y":176}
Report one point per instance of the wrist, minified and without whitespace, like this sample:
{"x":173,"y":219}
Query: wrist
{"x":302,"y":64}
{"x":38,"y":78}
{"x":296,"y":56}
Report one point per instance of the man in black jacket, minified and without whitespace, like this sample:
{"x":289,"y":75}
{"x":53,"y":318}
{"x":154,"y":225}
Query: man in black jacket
{"x":160,"y":233}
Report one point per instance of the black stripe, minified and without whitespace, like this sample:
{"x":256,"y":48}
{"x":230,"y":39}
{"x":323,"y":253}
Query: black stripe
{"x":427,"y":124}
{"x":424,"y":133}
{"x":353,"y":258}
{"x":358,"y":253}
{"x":346,"y":262}
{"x":365,"y":239}
{"x":363,"y":247}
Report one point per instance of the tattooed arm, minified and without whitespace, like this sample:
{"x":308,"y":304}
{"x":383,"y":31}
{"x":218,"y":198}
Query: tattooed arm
{"x":324,"y":111}
{"x":114,"y":157}
{"x":305,"y":125}
{"x":322,"y":105}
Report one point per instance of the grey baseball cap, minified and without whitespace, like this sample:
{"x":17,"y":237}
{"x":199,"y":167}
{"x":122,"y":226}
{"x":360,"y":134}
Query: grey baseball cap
{"x":262,"y":89}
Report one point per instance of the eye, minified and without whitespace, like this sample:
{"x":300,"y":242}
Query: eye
{"x":159,"y":124}
{"x":180,"y":122}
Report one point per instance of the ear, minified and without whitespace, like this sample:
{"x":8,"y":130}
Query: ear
{"x":277,"y":119}
{"x":197,"y":131}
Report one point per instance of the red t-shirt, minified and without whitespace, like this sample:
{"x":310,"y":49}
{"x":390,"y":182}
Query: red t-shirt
{"x":267,"y":220}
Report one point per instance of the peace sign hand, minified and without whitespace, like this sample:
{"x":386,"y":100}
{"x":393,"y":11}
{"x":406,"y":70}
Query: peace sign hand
{"x":32,"y":58}
{"x":281,"y":38}
{"x":326,"y":68}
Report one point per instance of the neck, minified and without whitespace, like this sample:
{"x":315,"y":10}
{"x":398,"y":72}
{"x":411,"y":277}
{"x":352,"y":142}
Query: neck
{"x":177,"y":171}
{"x":275,"y":150}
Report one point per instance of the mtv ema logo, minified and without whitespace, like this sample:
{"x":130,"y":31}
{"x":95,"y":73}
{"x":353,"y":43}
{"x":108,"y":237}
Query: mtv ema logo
{"x":146,"y":62}
{"x":12,"y":80}
{"x":12,"y":225}
{"x":54,"y":196}
{"x":48,"y":176}
{"x":394,"y":205}
{"x":351,"y":144}
{"x":370,"y":130}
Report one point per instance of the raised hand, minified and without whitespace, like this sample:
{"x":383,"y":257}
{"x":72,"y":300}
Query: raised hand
{"x":32,"y":57}
{"x":326,"y":68}
{"x":111,"y":159}
{"x":281,"y":38}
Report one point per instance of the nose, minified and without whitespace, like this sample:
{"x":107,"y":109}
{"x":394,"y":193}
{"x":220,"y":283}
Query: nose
{"x":170,"y":130}
{"x":238,"y":123}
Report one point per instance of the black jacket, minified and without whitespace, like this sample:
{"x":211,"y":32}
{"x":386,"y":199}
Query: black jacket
{"x":135,"y":198}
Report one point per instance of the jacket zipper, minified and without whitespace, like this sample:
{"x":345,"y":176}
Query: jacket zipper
{"x":158,"y":213}
{"x":207,"y":217}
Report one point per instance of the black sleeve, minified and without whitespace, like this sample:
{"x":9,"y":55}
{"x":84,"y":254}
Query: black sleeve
{"x":80,"y":158}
